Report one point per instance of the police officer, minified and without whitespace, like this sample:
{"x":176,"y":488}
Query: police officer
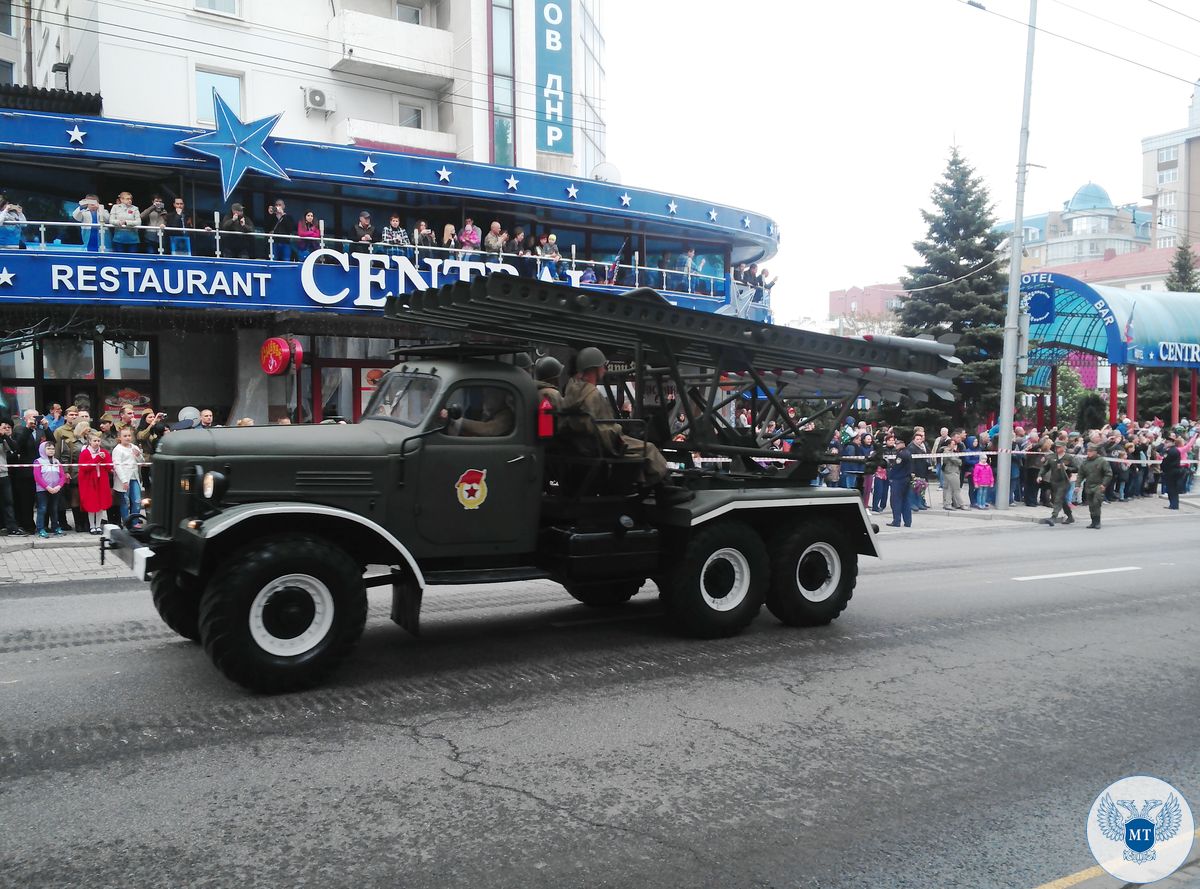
{"x":583,"y":395}
{"x":546,"y":372}
{"x":1096,"y":475}
{"x":1056,"y":474}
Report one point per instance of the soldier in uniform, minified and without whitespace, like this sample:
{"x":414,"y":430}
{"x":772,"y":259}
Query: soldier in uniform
{"x":583,"y":395}
{"x":1096,"y":475}
{"x":1056,"y":474}
{"x":546,"y":373}
{"x":496,"y":417}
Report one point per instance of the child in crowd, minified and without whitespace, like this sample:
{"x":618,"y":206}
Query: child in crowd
{"x":984,"y":479}
{"x":127,"y":466}
{"x":49,"y":476}
{"x":94,"y":480}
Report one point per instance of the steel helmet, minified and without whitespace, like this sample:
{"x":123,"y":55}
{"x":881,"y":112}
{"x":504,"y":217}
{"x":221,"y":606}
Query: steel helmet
{"x":547,"y":368}
{"x":588,"y":358}
{"x":522,"y":359}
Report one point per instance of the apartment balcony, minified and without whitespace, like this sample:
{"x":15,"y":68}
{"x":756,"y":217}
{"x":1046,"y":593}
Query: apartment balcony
{"x":372,"y":134}
{"x":374,"y":46}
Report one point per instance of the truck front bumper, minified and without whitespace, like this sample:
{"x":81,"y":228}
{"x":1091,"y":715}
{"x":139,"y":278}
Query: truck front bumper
{"x":137,"y":555}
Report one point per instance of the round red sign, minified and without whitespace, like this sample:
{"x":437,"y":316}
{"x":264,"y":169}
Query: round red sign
{"x":275,"y":354}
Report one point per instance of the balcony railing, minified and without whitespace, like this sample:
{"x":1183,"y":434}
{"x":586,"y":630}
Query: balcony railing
{"x":168,"y":240}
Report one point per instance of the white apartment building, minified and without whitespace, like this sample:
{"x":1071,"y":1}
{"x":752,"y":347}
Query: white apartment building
{"x":11,"y":25}
{"x":510,"y":82}
{"x":1171,"y":179}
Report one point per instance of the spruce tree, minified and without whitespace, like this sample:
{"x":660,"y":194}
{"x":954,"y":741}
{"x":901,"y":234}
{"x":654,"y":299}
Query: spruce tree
{"x":960,"y":287}
{"x":1183,"y":277}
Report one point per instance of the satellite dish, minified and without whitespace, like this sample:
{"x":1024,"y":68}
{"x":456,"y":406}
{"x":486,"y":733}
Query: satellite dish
{"x":606,"y":172}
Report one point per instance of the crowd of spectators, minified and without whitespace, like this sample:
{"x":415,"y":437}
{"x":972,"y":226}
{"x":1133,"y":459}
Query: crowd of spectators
{"x":65,"y":470}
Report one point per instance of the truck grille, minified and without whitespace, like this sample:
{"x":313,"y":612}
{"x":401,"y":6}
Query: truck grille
{"x":325,"y":480}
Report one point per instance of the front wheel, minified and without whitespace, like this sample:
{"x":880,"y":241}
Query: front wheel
{"x":605,"y":594}
{"x":281,"y":613}
{"x":718,"y":586}
{"x":812,"y":576}
{"x":177,"y":600}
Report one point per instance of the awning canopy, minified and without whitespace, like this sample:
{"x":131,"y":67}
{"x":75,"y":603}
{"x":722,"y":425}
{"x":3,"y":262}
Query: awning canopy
{"x":1144,"y":328}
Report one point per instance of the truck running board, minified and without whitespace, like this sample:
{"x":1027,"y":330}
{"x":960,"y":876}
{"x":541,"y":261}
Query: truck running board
{"x":485,"y":575}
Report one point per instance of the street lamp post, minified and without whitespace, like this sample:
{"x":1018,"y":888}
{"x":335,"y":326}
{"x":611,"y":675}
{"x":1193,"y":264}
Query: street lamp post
{"x":1008,"y":361}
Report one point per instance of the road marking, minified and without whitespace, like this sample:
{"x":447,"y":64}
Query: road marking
{"x":1076,"y":878}
{"x":1078,"y":573}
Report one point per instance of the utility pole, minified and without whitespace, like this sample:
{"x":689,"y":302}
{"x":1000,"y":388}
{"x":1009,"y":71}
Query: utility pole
{"x":1008,"y":362}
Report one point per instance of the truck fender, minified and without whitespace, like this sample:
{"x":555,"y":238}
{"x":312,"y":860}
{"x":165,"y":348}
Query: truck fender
{"x":234,"y":516}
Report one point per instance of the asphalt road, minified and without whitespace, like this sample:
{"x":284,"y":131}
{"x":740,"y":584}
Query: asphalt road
{"x":951,"y":729}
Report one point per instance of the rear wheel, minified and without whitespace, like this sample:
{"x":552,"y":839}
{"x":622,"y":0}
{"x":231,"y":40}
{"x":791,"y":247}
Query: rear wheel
{"x":177,"y":600}
{"x":605,"y":594}
{"x":281,"y":613}
{"x":718,"y":587}
{"x":813,"y":572}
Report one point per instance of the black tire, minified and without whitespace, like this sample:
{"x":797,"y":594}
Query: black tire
{"x":813,"y":571}
{"x":605,"y":594}
{"x":718,"y":587}
{"x":177,"y":600}
{"x":319,"y":591}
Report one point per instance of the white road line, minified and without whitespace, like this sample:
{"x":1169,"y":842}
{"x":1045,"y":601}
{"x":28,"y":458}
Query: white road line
{"x":1078,"y":573}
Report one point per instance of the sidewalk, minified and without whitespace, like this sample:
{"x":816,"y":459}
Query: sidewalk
{"x":73,"y":557}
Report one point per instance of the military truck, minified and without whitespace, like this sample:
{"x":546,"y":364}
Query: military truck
{"x":261,"y":542}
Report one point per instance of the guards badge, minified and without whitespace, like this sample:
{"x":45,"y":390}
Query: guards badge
{"x":471,"y":488}
{"x":1140,"y":829}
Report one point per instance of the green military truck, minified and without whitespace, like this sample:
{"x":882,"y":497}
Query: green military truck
{"x":260,"y":542}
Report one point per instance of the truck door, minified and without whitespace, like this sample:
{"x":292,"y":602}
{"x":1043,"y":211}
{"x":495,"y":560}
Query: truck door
{"x":480,"y":481}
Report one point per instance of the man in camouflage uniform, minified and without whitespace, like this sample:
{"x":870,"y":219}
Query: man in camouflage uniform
{"x":546,"y":372}
{"x":583,"y":395}
{"x":1056,"y":473}
{"x":1096,"y":475}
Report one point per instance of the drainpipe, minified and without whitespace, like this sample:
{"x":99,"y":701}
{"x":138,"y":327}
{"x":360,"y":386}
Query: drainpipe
{"x":29,"y":42}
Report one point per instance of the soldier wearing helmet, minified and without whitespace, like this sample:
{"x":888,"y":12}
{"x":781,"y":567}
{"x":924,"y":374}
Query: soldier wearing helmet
{"x":583,"y":395}
{"x":546,"y":373}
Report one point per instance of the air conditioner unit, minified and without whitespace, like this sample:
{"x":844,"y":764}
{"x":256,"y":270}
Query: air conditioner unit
{"x":317,"y":99}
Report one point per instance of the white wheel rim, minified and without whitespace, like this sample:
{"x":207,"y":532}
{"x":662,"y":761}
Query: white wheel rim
{"x":720,"y":599}
{"x":817,"y":583}
{"x":263,"y":629}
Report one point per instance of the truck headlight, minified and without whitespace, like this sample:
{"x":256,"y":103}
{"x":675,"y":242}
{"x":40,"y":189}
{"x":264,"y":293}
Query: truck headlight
{"x":213,"y":485}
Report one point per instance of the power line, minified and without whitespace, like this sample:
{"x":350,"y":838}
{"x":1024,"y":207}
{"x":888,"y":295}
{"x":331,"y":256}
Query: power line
{"x":1079,"y":43}
{"x":1176,"y":11}
{"x":363,"y":80}
{"x":1127,"y":28}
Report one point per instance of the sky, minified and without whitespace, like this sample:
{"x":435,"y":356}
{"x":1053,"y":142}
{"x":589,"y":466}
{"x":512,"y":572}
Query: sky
{"x":836,"y":118}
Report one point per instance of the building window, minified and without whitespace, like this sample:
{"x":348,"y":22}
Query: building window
{"x":228,"y":86}
{"x":1166,"y":241}
{"x":1145,"y":286}
{"x":1166,"y":155}
{"x":410,"y":116}
{"x":6,"y":20}
{"x":1166,"y":199}
{"x":407,"y":13}
{"x":6,"y":72}
{"x":1167,"y":220}
{"x":224,"y":7}
{"x":1165,"y":176}
{"x":503,"y":84}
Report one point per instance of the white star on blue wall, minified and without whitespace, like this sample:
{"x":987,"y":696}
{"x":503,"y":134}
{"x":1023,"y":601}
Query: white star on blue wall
{"x":237,"y":146}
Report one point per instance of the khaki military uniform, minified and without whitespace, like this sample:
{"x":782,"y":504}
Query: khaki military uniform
{"x":550,"y":392}
{"x":584,"y":396}
{"x":1096,"y":474}
{"x":952,"y":495}
{"x":498,"y":424}
{"x":1056,"y":474}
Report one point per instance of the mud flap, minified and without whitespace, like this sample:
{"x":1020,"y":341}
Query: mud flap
{"x":406,"y":601}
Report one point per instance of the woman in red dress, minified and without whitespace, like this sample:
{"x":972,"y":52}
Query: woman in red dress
{"x":95,"y":482}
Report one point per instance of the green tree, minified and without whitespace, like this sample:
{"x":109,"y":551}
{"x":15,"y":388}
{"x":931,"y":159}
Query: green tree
{"x":1093,"y":412}
{"x":1184,"y":277}
{"x":960,"y":288}
{"x":1071,"y":391}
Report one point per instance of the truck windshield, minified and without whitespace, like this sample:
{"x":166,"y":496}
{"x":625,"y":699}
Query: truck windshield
{"x":403,"y":398}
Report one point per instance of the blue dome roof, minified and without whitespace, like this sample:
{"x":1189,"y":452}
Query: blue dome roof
{"x":1090,"y":197}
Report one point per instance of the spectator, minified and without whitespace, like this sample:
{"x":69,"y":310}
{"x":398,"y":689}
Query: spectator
{"x":495,"y":241}
{"x":363,"y":235}
{"x":450,"y":241}
{"x":246,"y":421}
{"x":588,"y":276}
{"x":125,"y":218}
{"x":127,"y":459}
{"x":984,"y":479}
{"x":54,"y":417}
{"x":310,"y":234}
{"x":206,"y":419}
{"x":952,"y":497}
{"x":9,"y":453}
{"x":282,"y":226}
{"x":12,"y":217}
{"x":395,"y":238}
{"x":153,"y":218}
{"x":178,"y":221}
{"x":108,"y":432}
{"x":31,"y":434}
{"x":767,"y":281}
{"x":236,"y":244}
{"x":422,"y":236}
{"x":550,"y":257}
{"x":94,"y":218}
{"x":922,"y":469}
{"x":49,"y":476}
{"x":151,"y":429}
{"x":469,"y":239}
{"x":95,"y":482}
{"x":127,"y":417}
